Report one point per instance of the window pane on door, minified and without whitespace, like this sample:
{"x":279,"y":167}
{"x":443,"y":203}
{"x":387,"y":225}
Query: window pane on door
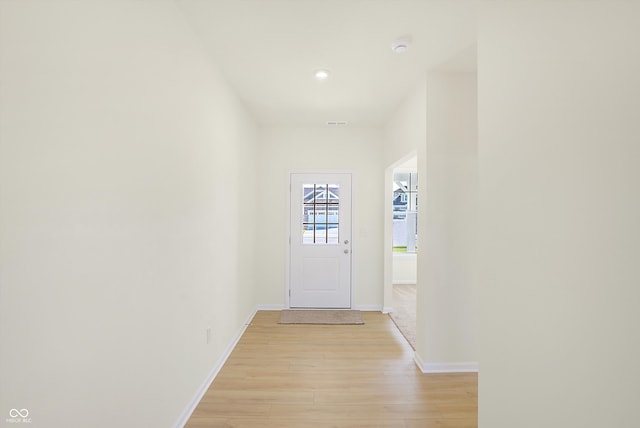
{"x":320,"y":213}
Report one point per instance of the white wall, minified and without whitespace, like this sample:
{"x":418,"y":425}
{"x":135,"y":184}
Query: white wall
{"x":406,"y":130}
{"x":405,"y":268}
{"x":446,"y":318}
{"x":438,"y":122}
{"x":122,"y":225}
{"x":283,"y":150}
{"x":559,"y":93}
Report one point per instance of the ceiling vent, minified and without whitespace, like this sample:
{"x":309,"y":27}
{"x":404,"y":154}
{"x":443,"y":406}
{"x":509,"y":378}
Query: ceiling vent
{"x":337,"y":123}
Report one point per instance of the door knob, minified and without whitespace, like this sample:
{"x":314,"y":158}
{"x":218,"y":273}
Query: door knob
{"x":346,"y":251}
{"x":346,"y":241}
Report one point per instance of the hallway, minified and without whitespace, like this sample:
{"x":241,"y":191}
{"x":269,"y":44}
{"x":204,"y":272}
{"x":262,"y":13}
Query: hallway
{"x":339,"y":376}
{"x":146,"y":150}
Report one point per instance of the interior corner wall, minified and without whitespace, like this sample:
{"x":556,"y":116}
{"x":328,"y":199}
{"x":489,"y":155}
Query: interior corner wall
{"x":286,"y":150}
{"x":124,"y":222}
{"x":405,"y":133}
{"x":559,"y":102}
{"x":404,"y":137}
{"x":446,"y":296}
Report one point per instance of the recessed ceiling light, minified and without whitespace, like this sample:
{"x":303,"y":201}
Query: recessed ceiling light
{"x":321,"y":74}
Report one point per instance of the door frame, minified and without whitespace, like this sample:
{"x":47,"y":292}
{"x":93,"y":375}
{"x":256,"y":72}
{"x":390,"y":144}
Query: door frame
{"x":387,"y":305}
{"x":287,"y":228}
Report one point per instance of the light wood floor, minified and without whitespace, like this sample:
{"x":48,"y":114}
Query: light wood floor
{"x":404,"y":311}
{"x":332,"y":376}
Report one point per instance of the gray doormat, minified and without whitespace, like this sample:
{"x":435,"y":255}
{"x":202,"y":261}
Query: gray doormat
{"x":320,"y":316}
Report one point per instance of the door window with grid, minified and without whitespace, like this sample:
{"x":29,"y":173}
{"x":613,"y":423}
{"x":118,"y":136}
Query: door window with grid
{"x":320,"y":214}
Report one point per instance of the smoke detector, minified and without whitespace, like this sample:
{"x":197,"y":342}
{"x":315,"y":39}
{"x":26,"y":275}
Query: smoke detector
{"x":401,"y":44}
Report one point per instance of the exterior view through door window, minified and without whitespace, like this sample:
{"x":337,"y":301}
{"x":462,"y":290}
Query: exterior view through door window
{"x":320,"y":214}
{"x":405,"y":212}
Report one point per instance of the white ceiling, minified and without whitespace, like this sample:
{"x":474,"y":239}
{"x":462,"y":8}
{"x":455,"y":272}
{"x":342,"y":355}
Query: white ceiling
{"x":269,"y":50}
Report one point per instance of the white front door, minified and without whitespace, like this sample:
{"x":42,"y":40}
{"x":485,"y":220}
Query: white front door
{"x":320,"y":264}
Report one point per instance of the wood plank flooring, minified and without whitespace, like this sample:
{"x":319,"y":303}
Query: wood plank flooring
{"x":332,"y":376}
{"x":404,"y":311}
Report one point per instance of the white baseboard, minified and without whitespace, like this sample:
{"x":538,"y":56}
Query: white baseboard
{"x":184,"y":417}
{"x":368,"y":308}
{"x":270,"y":307}
{"x":387,"y":309}
{"x":364,"y":308}
{"x":466,"y":367}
